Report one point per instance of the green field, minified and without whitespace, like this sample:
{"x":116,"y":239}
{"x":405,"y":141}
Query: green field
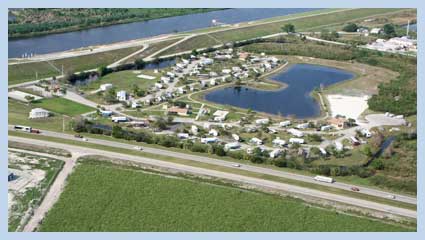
{"x":124,"y":80}
{"x":310,"y":22}
{"x":63,"y":106}
{"x":106,"y":197}
{"x":19,"y":73}
{"x":18,"y":114}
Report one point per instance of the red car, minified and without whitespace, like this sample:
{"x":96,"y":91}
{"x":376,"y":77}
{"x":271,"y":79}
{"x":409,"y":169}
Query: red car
{"x":355,"y":189}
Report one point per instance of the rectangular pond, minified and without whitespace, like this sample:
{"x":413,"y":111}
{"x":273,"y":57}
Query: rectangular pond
{"x":295,"y":99}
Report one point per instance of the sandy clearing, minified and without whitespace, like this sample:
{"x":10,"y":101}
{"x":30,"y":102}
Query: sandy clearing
{"x":349,"y":106}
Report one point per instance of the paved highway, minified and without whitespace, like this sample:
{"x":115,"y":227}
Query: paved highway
{"x":251,"y":168}
{"x":364,"y":204}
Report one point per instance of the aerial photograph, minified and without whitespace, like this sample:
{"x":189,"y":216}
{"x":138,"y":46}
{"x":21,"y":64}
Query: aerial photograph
{"x":212,"y":120}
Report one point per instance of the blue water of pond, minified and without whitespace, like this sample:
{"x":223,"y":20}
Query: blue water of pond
{"x":295,"y":99}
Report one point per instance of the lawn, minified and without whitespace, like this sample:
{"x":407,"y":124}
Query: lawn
{"x":124,"y":80}
{"x":63,"y":106}
{"x":26,"y":72}
{"x":106,"y":197}
{"x":18,"y":114}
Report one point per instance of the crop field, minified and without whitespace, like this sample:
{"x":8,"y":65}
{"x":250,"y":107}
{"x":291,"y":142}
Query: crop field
{"x":25,"y":72}
{"x":105,"y":197}
{"x":63,"y":106}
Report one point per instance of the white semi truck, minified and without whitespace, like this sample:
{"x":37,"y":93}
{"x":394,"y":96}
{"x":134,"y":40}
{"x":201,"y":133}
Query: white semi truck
{"x":324,"y":179}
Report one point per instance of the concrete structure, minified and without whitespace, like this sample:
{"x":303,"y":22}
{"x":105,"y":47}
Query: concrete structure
{"x":38,"y":113}
{"x":20,"y":96}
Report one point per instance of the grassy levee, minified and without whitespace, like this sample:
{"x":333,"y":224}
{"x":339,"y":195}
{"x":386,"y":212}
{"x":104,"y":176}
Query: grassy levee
{"x":303,"y":23}
{"x":220,"y":168}
{"x":103,"y":196}
{"x":25,"y":72}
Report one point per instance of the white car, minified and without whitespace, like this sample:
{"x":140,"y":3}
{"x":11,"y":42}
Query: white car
{"x":236,"y":165}
{"x":138,"y":148}
{"x":84,"y":139}
{"x":391,"y":196}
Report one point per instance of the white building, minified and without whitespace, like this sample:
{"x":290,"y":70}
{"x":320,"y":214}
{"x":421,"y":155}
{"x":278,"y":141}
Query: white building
{"x":209,"y":140}
{"x":135,"y":104}
{"x":226,"y":71}
{"x":165,"y":80}
{"x":106,"y":86}
{"x":302,"y":125}
{"x":296,"y":140}
{"x":366,"y":133}
{"x":339,"y":146}
{"x":236,"y":137}
{"x":122,"y":95}
{"x":279,"y":142}
{"x":285,"y":123}
{"x":213,"y":132}
{"x":194,"y":129}
{"x":275,"y":153}
{"x":38,"y":113}
{"x":232,"y":145}
{"x":183,"y":135}
{"x":295,"y":132}
{"x":256,"y":141}
{"x":220,"y":115}
{"x":375,"y":30}
{"x":159,"y":85}
{"x":262,"y":121}
{"x":207,"y":61}
{"x":325,"y":128}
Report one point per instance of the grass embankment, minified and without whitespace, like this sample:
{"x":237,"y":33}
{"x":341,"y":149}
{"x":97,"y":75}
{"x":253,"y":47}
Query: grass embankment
{"x":138,"y":201}
{"x":306,"y":22}
{"x":35,"y":148}
{"x":219,"y":168}
{"x":25,"y":72}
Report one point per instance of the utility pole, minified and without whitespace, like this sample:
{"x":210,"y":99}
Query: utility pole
{"x":407,"y":29}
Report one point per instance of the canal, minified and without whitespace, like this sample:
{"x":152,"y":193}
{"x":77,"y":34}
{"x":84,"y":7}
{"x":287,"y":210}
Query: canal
{"x":295,"y":99}
{"x":129,"y":31}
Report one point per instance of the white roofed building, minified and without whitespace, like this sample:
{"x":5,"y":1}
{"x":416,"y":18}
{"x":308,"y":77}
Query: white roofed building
{"x":38,"y":113}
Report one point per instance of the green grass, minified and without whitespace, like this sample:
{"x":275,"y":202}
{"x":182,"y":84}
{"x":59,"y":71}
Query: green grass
{"x":18,"y":114}
{"x":26,"y":72}
{"x":124,"y":80}
{"x":106,"y":197}
{"x":306,"y":22}
{"x":63,"y":106}
{"x":217,"y":167}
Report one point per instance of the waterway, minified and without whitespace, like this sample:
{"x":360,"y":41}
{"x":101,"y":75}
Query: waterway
{"x":294,"y":100}
{"x":130,"y":31}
